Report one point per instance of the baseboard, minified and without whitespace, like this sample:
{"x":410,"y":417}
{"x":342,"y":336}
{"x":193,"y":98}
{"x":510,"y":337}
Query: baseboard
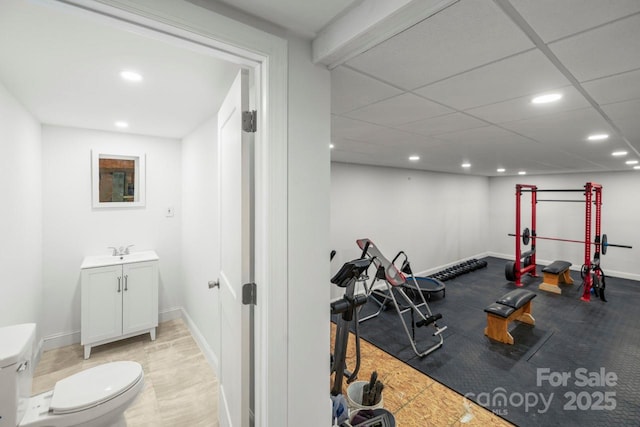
{"x":574,"y":267}
{"x":202,"y":343}
{"x":434,"y":270}
{"x":64,"y":339}
{"x":170,"y":314}
{"x":61,"y":339}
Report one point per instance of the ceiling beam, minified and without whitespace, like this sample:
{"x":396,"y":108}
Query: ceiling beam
{"x":368,"y":24}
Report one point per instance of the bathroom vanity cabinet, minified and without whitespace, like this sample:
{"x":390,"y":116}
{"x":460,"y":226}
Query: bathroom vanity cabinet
{"x":119,"y":298}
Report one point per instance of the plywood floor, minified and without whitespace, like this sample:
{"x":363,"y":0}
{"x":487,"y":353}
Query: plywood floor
{"x":415,"y":399}
{"x":180,"y":387}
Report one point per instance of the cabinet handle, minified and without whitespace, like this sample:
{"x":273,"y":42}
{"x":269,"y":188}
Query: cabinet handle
{"x":126,"y":282}
{"x":118,"y":283}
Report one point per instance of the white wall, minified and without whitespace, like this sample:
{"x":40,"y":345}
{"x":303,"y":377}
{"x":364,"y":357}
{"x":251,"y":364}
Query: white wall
{"x":21,"y":213}
{"x":620,"y":213}
{"x":200,"y":234}
{"x":437,"y":219}
{"x":73,"y":229}
{"x":308,"y":210}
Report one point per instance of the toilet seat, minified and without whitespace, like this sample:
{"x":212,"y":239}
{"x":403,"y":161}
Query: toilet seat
{"x":94,"y":386}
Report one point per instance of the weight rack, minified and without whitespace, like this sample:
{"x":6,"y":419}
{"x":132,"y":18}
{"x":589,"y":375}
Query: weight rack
{"x":593,"y":195}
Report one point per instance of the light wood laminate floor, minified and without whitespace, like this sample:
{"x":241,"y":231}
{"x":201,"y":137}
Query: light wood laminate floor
{"x":180,"y":387}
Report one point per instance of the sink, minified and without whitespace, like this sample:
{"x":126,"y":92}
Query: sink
{"x":105,"y":260}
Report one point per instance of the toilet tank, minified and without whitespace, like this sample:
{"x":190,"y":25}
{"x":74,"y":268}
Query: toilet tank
{"x":16,"y":372}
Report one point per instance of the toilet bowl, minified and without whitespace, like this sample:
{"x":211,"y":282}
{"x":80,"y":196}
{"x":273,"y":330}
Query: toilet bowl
{"x":96,"y":397}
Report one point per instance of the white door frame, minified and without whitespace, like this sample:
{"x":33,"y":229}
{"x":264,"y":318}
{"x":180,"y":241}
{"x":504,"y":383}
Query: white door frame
{"x":266,"y":54}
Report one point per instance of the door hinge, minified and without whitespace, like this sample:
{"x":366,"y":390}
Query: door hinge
{"x":249,"y":294}
{"x":249,"y":121}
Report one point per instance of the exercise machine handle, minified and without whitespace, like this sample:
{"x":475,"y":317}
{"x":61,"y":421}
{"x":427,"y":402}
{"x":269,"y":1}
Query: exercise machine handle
{"x":365,"y":249}
{"x":398,"y":255}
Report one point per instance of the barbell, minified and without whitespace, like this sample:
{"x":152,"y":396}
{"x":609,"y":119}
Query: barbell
{"x":604,"y":243}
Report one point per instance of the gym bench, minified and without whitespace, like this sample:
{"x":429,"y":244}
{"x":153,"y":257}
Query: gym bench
{"x":514,"y":305}
{"x":555,"y":273}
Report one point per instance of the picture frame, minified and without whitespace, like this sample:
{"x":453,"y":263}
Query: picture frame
{"x":118,"y":180}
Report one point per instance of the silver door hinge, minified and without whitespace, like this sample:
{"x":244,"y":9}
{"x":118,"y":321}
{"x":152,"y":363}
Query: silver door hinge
{"x":249,"y":121}
{"x":249,"y":294}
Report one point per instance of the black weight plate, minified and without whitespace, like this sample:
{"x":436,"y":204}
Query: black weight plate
{"x":604,"y":244}
{"x":510,"y":271}
{"x":526,"y":235}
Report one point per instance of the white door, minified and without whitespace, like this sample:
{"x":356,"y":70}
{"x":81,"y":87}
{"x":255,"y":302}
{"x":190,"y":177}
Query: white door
{"x":235,"y":175}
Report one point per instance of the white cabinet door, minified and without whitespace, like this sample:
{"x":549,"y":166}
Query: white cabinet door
{"x":139,"y":296}
{"x":101,"y":303}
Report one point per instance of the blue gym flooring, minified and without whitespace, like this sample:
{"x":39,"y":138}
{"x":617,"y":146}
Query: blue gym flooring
{"x":578,"y":366}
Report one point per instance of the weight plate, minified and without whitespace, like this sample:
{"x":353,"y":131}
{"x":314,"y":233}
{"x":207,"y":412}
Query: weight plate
{"x":510,"y":271}
{"x":604,"y":244}
{"x":526,"y":235}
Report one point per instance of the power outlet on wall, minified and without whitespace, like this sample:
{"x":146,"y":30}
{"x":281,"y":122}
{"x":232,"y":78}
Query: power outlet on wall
{"x":169,"y":212}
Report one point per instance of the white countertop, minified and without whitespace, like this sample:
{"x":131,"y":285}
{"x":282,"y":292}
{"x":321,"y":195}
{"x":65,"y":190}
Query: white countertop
{"x":105,"y":260}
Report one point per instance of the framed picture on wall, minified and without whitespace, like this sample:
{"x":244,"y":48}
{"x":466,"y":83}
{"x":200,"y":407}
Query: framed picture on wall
{"x":118,"y":180}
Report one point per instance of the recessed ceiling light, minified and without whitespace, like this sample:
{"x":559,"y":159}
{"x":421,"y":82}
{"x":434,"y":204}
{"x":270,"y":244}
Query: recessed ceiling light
{"x":636,"y":167}
{"x":466,"y":165}
{"x":121,"y":125}
{"x":131,"y":76}
{"x":414,"y":158}
{"x":331,"y":145}
{"x":500,"y":170}
{"x":522,"y":172}
{"x":543,"y":99}
{"x":598,"y":137}
{"x":631,"y":162}
{"x":619,"y":153}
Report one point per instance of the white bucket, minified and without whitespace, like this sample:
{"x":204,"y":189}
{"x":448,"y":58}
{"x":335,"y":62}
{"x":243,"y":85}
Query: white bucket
{"x":354,"y":397}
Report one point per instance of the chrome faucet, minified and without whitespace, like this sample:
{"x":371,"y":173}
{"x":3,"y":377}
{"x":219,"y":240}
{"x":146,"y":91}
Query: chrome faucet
{"x":120,"y":251}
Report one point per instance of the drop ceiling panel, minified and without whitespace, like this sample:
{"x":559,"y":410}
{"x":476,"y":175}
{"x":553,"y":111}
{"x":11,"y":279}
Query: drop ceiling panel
{"x":618,"y":88}
{"x":463,"y":36}
{"x":523,"y":74}
{"x":351,"y":89}
{"x":486,"y":135}
{"x":342,"y":127}
{"x":486,"y":156}
{"x":567,"y":130}
{"x":604,"y":51}
{"x":522,"y":108}
{"x":626,"y":115}
{"x":399,"y":109}
{"x":553,"y":19}
{"x":443,"y":124}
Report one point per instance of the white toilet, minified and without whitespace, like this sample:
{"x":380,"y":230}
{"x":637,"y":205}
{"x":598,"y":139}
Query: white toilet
{"x":96,"y":397}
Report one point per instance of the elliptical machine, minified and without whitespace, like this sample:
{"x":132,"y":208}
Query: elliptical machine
{"x":347,"y":309}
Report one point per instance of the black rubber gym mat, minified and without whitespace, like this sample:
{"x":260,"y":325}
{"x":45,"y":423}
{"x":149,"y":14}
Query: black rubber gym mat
{"x":578,"y":366}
